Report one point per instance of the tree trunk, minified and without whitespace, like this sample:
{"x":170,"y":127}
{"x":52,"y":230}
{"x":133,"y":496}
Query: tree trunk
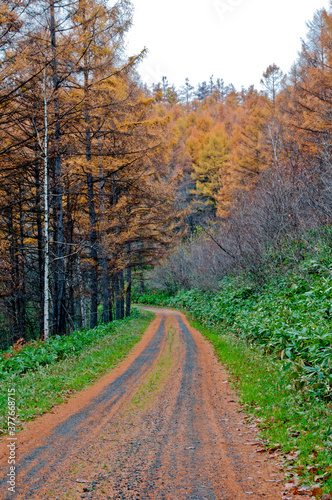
{"x":141,"y":272}
{"x":21,"y":290}
{"x":71,"y":259}
{"x":46,"y":301}
{"x":105,"y":286}
{"x":82,"y":316}
{"x":122,"y":293}
{"x":128,"y":290}
{"x":93,"y":254}
{"x":14,"y":269}
{"x":59,"y":274}
{"x":117,"y":292}
{"x":90,"y":184}
{"x":104,"y":267}
{"x":39,"y":247}
{"x":111,"y":301}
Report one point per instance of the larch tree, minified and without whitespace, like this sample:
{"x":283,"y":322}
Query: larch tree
{"x":209,"y":171}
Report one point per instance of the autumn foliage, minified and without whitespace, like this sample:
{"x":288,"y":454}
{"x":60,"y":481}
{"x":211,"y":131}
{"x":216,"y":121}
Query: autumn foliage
{"x":255,"y":165}
{"x":131,"y":170}
{"x":71,"y":102}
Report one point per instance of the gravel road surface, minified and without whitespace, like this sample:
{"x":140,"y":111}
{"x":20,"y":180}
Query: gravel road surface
{"x":164,"y":424}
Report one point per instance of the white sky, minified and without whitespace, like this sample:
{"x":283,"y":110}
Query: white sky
{"x":231,"y":39}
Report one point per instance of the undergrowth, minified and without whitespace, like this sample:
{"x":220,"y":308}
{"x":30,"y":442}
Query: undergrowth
{"x":289,"y":316}
{"x":290,"y":420}
{"x":275,"y":338}
{"x":45,"y":374}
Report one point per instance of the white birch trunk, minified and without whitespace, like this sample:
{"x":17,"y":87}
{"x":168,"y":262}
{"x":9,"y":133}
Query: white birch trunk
{"x":46,"y":224}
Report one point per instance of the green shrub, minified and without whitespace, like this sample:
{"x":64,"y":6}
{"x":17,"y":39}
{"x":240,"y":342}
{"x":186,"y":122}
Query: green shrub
{"x":44,"y":374}
{"x":37,"y":354}
{"x":289,"y":316}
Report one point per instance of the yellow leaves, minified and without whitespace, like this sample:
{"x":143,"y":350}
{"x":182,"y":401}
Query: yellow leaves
{"x":226,"y":144}
{"x":209,"y":170}
{"x":194,"y":147}
{"x":308,"y":97}
{"x":9,"y":18}
{"x":247,"y":155}
{"x":30,"y":241}
{"x":204,"y":123}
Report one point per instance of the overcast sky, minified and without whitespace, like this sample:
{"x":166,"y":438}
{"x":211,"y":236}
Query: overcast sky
{"x":231,"y":39}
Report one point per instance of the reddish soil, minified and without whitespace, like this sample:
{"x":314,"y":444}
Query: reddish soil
{"x":163,"y":425}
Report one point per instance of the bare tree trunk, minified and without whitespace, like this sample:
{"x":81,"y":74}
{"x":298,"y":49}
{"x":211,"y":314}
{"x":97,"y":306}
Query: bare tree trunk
{"x":71,"y":259}
{"x":59,"y":275}
{"x":117,"y":297}
{"x":122,"y":293}
{"x":104,"y":267}
{"x":94,"y":255}
{"x":82,"y":317}
{"x":105,"y":285}
{"x":12,"y":303}
{"x":111,"y":301}
{"x":141,"y":272}
{"x":21,"y":291}
{"x":119,"y":294}
{"x":128,"y":290}
{"x":90,"y":185}
{"x":40,"y":245}
{"x":46,"y":223}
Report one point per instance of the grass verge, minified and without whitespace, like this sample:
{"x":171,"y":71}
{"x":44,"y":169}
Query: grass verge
{"x":272,"y":328}
{"x":38,"y":390}
{"x":297,"y":427}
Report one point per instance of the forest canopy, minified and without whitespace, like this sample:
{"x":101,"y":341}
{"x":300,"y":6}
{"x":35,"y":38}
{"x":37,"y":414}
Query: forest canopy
{"x":103,"y":177}
{"x":85,"y":191}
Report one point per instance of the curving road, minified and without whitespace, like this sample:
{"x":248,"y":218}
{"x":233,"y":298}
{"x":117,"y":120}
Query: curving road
{"x":163,"y":425}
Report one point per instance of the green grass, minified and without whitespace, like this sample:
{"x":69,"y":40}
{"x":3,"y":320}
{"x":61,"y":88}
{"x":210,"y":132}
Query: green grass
{"x":149,"y":388}
{"x":290,"y":315}
{"x":287,"y":417}
{"x":40,"y":385}
{"x":275,"y":338}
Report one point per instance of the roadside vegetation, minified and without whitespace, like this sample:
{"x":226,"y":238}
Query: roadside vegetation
{"x":44,"y":374}
{"x":274,"y":335}
{"x":254,"y":267}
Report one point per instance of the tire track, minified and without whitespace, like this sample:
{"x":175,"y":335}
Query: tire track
{"x":163,"y":429}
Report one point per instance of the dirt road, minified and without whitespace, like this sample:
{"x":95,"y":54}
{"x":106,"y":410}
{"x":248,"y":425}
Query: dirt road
{"x":163,"y":425}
